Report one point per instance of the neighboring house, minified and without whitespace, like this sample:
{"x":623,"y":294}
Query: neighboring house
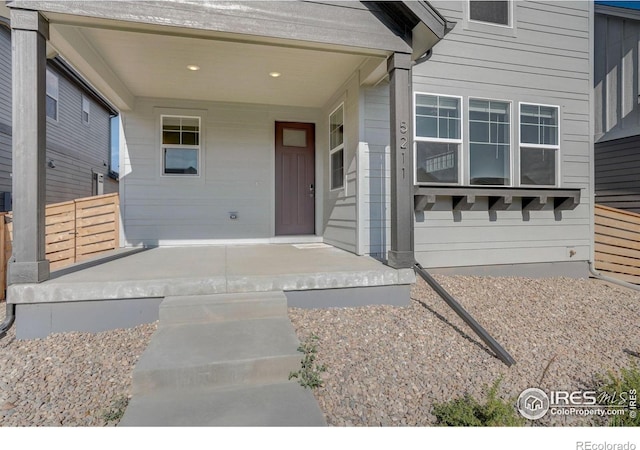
{"x":78,"y":123}
{"x":452,"y":133}
{"x":617,"y":112}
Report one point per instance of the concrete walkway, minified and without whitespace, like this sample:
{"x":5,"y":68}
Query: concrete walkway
{"x":221,"y":360}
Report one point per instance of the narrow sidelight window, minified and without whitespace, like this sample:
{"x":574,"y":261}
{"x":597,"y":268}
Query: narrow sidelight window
{"x":336,"y":150}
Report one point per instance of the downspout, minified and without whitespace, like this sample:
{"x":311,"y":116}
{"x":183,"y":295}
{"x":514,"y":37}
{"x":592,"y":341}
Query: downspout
{"x":599,"y":276}
{"x":8,"y":320}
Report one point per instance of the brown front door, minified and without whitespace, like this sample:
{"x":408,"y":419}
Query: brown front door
{"x":295,"y":178}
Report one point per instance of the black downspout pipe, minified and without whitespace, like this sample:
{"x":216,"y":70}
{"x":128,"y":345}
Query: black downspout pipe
{"x":8,"y":320}
{"x":500,"y":352}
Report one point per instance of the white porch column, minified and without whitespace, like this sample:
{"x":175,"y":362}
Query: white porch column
{"x":401,"y":253}
{"x":30,"y":32}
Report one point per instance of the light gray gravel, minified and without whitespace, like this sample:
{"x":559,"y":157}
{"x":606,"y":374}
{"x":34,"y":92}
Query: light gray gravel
{"x":388,"y":365}
{"x":67,"y":379}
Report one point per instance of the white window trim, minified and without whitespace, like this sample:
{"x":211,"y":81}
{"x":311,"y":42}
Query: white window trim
{"x":179,"y":146}
{"x":542,"y":146}
{"x":491,"y":24}
{"x":56,"y":98}
{"x":85,"y":99}
{"x":512,"y":150}
{"x":416,"y":138}
{"x":337,"y":149}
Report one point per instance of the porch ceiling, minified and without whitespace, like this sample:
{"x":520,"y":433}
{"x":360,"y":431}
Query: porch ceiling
{"x":151,"y":63}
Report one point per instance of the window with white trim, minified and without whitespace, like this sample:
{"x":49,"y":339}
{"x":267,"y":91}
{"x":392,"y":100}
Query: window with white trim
{"x":491,"y":12}
{"x":86,"y":109}
{"x":336,"y":148}
{"x":52,"y":95}
{"x":438,"y":138}
{"x":180,"y":145}
{"x":489,"y":142}
{"x":539,"y":144}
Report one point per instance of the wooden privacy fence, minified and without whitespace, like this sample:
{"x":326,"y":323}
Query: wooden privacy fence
{"x":75,"y":231}
{"x":617,"y":242}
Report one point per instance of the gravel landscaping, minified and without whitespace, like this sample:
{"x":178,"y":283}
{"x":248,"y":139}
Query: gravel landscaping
{"x":389,"y":365}
{"x":71,"y":379}
{"x":385,"y":365}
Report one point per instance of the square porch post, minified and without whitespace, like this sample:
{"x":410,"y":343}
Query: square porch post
{"x":29,"y":35}
{"x":401,"y":253}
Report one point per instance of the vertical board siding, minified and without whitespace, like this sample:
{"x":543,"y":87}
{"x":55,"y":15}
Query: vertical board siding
{"x":237,"y":168}
{"x":617,"y":167}
{"x":544,"y":59}
{"x":617,"y":113}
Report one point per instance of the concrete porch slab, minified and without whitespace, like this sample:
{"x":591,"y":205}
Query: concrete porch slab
{"x":174,"y":271}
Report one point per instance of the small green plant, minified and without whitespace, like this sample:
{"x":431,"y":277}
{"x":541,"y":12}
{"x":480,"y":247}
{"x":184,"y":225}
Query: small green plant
{"x":468,"y":412}
{"x":116,"y":411}
{"x":620,"y":391}
{"x":309,"y":374}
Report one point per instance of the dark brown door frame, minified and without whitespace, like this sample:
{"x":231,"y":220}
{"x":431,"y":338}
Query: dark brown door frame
{"x":295,"y":201}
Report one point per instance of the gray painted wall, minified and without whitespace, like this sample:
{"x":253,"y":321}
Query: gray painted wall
{"x":76,"y":149}
{"x":617,"y":113}
{"x":340,"y":205}
{"x":5,"y":113}
{"x":545,"y":58}
{"x":238,"y":166}
{"x":617,"y":165}
{"x":375,"y":174}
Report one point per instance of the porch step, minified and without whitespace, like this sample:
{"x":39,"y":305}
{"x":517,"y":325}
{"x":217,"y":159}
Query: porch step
{"x":278,"y":404}
{"x":222,"y":307}
{"x":218,"y":354}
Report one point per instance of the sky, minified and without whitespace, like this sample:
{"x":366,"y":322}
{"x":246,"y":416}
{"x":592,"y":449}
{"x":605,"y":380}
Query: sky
{"x":620,"y":4}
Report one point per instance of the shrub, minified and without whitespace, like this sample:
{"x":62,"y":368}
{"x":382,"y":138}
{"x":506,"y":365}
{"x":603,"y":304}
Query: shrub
{"x":116,"y":411}
{"x":621,"y":389}
{"x":468,"y":412}
{"x":309,"y":374}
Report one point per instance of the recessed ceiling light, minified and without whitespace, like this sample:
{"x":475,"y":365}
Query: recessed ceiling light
{"x":193,"y":67}
{"x":274,"y":74}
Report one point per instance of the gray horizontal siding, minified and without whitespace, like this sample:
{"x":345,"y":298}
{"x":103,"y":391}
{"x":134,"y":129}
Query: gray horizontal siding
{"x":376,"y":173}
{"x":546,"y":60}
{"x":237,"y":173}
{"x":5,"y":76}
{"x":617,"y":167}
{"x":77,"y":150}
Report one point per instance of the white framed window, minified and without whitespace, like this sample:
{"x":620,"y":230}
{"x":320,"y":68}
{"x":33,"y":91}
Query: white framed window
{"x":437,"y":138}
{"x":490,"y":158}
{"x":336,"y":148}
{"x":180,"y":138}
{"x":52,"y":95}
{"x":539,"y":144}
{"x":86,"y":109}
{"x":491,"y":12}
